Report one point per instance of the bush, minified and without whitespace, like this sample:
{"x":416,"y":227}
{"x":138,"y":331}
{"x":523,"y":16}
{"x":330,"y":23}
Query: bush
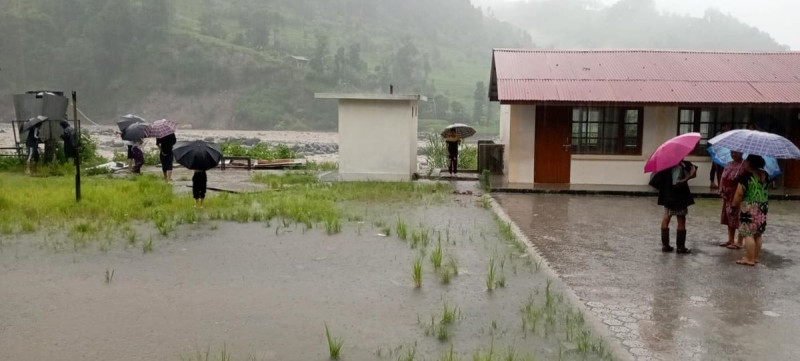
{"x":11,"y":163}
{"x":436,"y":153}
{"x":258,"y":151}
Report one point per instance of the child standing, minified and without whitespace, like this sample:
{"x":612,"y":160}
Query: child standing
{"x":138,"y":156}
{"x":675,"y":196}
{"x":199,"y":182}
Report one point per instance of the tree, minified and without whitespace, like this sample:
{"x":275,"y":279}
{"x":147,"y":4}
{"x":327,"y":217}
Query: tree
{"x":481,"y":102}
{"x":458,"y":112}
{"x":320,"y":58}
{"x":406,"y":65}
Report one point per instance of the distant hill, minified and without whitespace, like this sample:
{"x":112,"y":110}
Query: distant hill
{"x":251,"y":64}
{"x":255,"y":64}
{"x":629,"y":24}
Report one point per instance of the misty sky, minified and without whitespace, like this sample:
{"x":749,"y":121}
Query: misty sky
{"x":779,"y":18}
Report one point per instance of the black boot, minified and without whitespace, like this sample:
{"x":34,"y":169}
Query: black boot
{"x":681,"y":242}
{"x":665,"y":247}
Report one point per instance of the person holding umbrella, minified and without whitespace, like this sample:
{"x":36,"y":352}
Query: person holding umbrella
{"x":452,"y":141}
{"x":672,"y":175}
{"x":134,"y":134}
{"x":728,"y":186}
{"x":198,"y":156}
{"x":453,"y":135}
{"x":32,"y":126}
{"x":123,"y":123}
{"x":752,"y":198}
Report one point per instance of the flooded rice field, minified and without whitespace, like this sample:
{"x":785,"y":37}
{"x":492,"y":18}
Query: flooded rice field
{"x":261,"y":291}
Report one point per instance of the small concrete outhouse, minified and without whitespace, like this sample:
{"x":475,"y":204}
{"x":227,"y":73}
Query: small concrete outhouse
{"x":377,"y":136}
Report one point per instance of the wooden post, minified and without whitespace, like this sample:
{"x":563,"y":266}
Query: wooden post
{"x":77,"y":146}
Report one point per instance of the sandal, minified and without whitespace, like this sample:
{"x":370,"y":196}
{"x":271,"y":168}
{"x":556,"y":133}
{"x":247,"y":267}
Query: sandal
{"x":744,"y":262}
{"x":733,"y":246}
{"x":726,"y":244}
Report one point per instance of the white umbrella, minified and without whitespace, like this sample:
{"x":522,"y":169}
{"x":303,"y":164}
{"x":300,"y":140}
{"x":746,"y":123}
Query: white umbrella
{"x":462,"y":130}
{"x":758,"y":143}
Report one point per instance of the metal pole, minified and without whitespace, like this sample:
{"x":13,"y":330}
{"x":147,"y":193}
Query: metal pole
{"x":77,"y":146}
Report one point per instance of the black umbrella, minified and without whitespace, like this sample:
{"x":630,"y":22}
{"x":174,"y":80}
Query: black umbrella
{"x":33,"y":122}
{"x":135,"y":132}
{"x":126,"y":121}
{"x":197,"y":155}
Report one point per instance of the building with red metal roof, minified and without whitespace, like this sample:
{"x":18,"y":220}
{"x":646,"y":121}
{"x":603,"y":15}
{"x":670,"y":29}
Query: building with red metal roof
{"x":595,"y":116}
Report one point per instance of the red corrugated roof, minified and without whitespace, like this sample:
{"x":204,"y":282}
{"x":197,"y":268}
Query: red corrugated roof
{"x":645,"y":76}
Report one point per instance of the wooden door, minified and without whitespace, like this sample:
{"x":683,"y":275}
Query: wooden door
{"x":792,"y":171}
{"x":553,"y":147}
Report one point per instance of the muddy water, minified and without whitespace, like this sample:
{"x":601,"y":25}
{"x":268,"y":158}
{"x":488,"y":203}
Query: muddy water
{"x":267,"y":292}
{"x":665,"y":306}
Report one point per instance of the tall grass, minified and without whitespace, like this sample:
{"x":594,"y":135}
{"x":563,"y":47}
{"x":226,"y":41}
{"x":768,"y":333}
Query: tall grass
{"x":114,"y":203}
{"x":436,"y":256}
{"x":491,"y":275}
{"x":435,"y":151}
{"x":334,"y":344}
{"x":416,"y":272}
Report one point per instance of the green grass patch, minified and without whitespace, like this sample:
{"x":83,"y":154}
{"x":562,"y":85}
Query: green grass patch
{"x":279,"y":181}
{"x":258,"y":151}
{"x":112,"y":204}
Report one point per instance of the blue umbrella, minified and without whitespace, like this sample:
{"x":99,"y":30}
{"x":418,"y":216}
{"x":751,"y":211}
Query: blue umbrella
{"x":722,"y":156}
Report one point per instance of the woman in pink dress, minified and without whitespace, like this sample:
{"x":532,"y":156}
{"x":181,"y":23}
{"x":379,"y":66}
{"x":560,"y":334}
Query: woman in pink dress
{"x":727,"y":189}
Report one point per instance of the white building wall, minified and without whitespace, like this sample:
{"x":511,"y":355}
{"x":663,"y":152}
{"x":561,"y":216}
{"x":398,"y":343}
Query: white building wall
{"x":377,"y":139}
{"x":520,"y":144}
{"x":505,"y":124}
{"x":659,"y":125}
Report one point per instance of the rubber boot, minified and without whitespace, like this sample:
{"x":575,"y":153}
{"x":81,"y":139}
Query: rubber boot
{"x":665,"y":247}
{"x":681,"y":242}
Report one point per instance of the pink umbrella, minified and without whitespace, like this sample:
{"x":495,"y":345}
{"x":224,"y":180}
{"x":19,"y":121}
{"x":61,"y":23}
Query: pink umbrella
{"x":672,"y":152}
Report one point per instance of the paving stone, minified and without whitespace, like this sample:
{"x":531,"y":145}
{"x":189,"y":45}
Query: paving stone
{"x":619,"y":329}
{"x":633,"y":343}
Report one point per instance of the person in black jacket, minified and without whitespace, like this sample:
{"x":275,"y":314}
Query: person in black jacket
{"x":676,"y":197}
{"x":70,"y":149}
{"x":32,"y":146}
{"x":165,"y":145}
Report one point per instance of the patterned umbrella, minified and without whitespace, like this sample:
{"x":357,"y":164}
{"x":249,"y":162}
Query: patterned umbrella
{"x":758,"y":143}
{"x":722,"y":156}
{"x":161,"y":128}
{"x":128,"y":120}
{"x":197,"y":155}
{"x":462,"y":130}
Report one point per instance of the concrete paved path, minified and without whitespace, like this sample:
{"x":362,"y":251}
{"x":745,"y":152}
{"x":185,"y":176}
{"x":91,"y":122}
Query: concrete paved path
{"x":666,"y":306}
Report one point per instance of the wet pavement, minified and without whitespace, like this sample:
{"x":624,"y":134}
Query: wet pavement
{"x":666,"y":306}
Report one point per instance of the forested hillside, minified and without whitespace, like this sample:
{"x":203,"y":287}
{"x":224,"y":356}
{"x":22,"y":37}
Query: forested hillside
{"x":250,"y":63}
{"x":629,"y":24}
{"x":255,"y":64}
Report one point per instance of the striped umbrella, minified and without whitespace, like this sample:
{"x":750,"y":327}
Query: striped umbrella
{"x":758,"y":143}
{"x":462,"y":130}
